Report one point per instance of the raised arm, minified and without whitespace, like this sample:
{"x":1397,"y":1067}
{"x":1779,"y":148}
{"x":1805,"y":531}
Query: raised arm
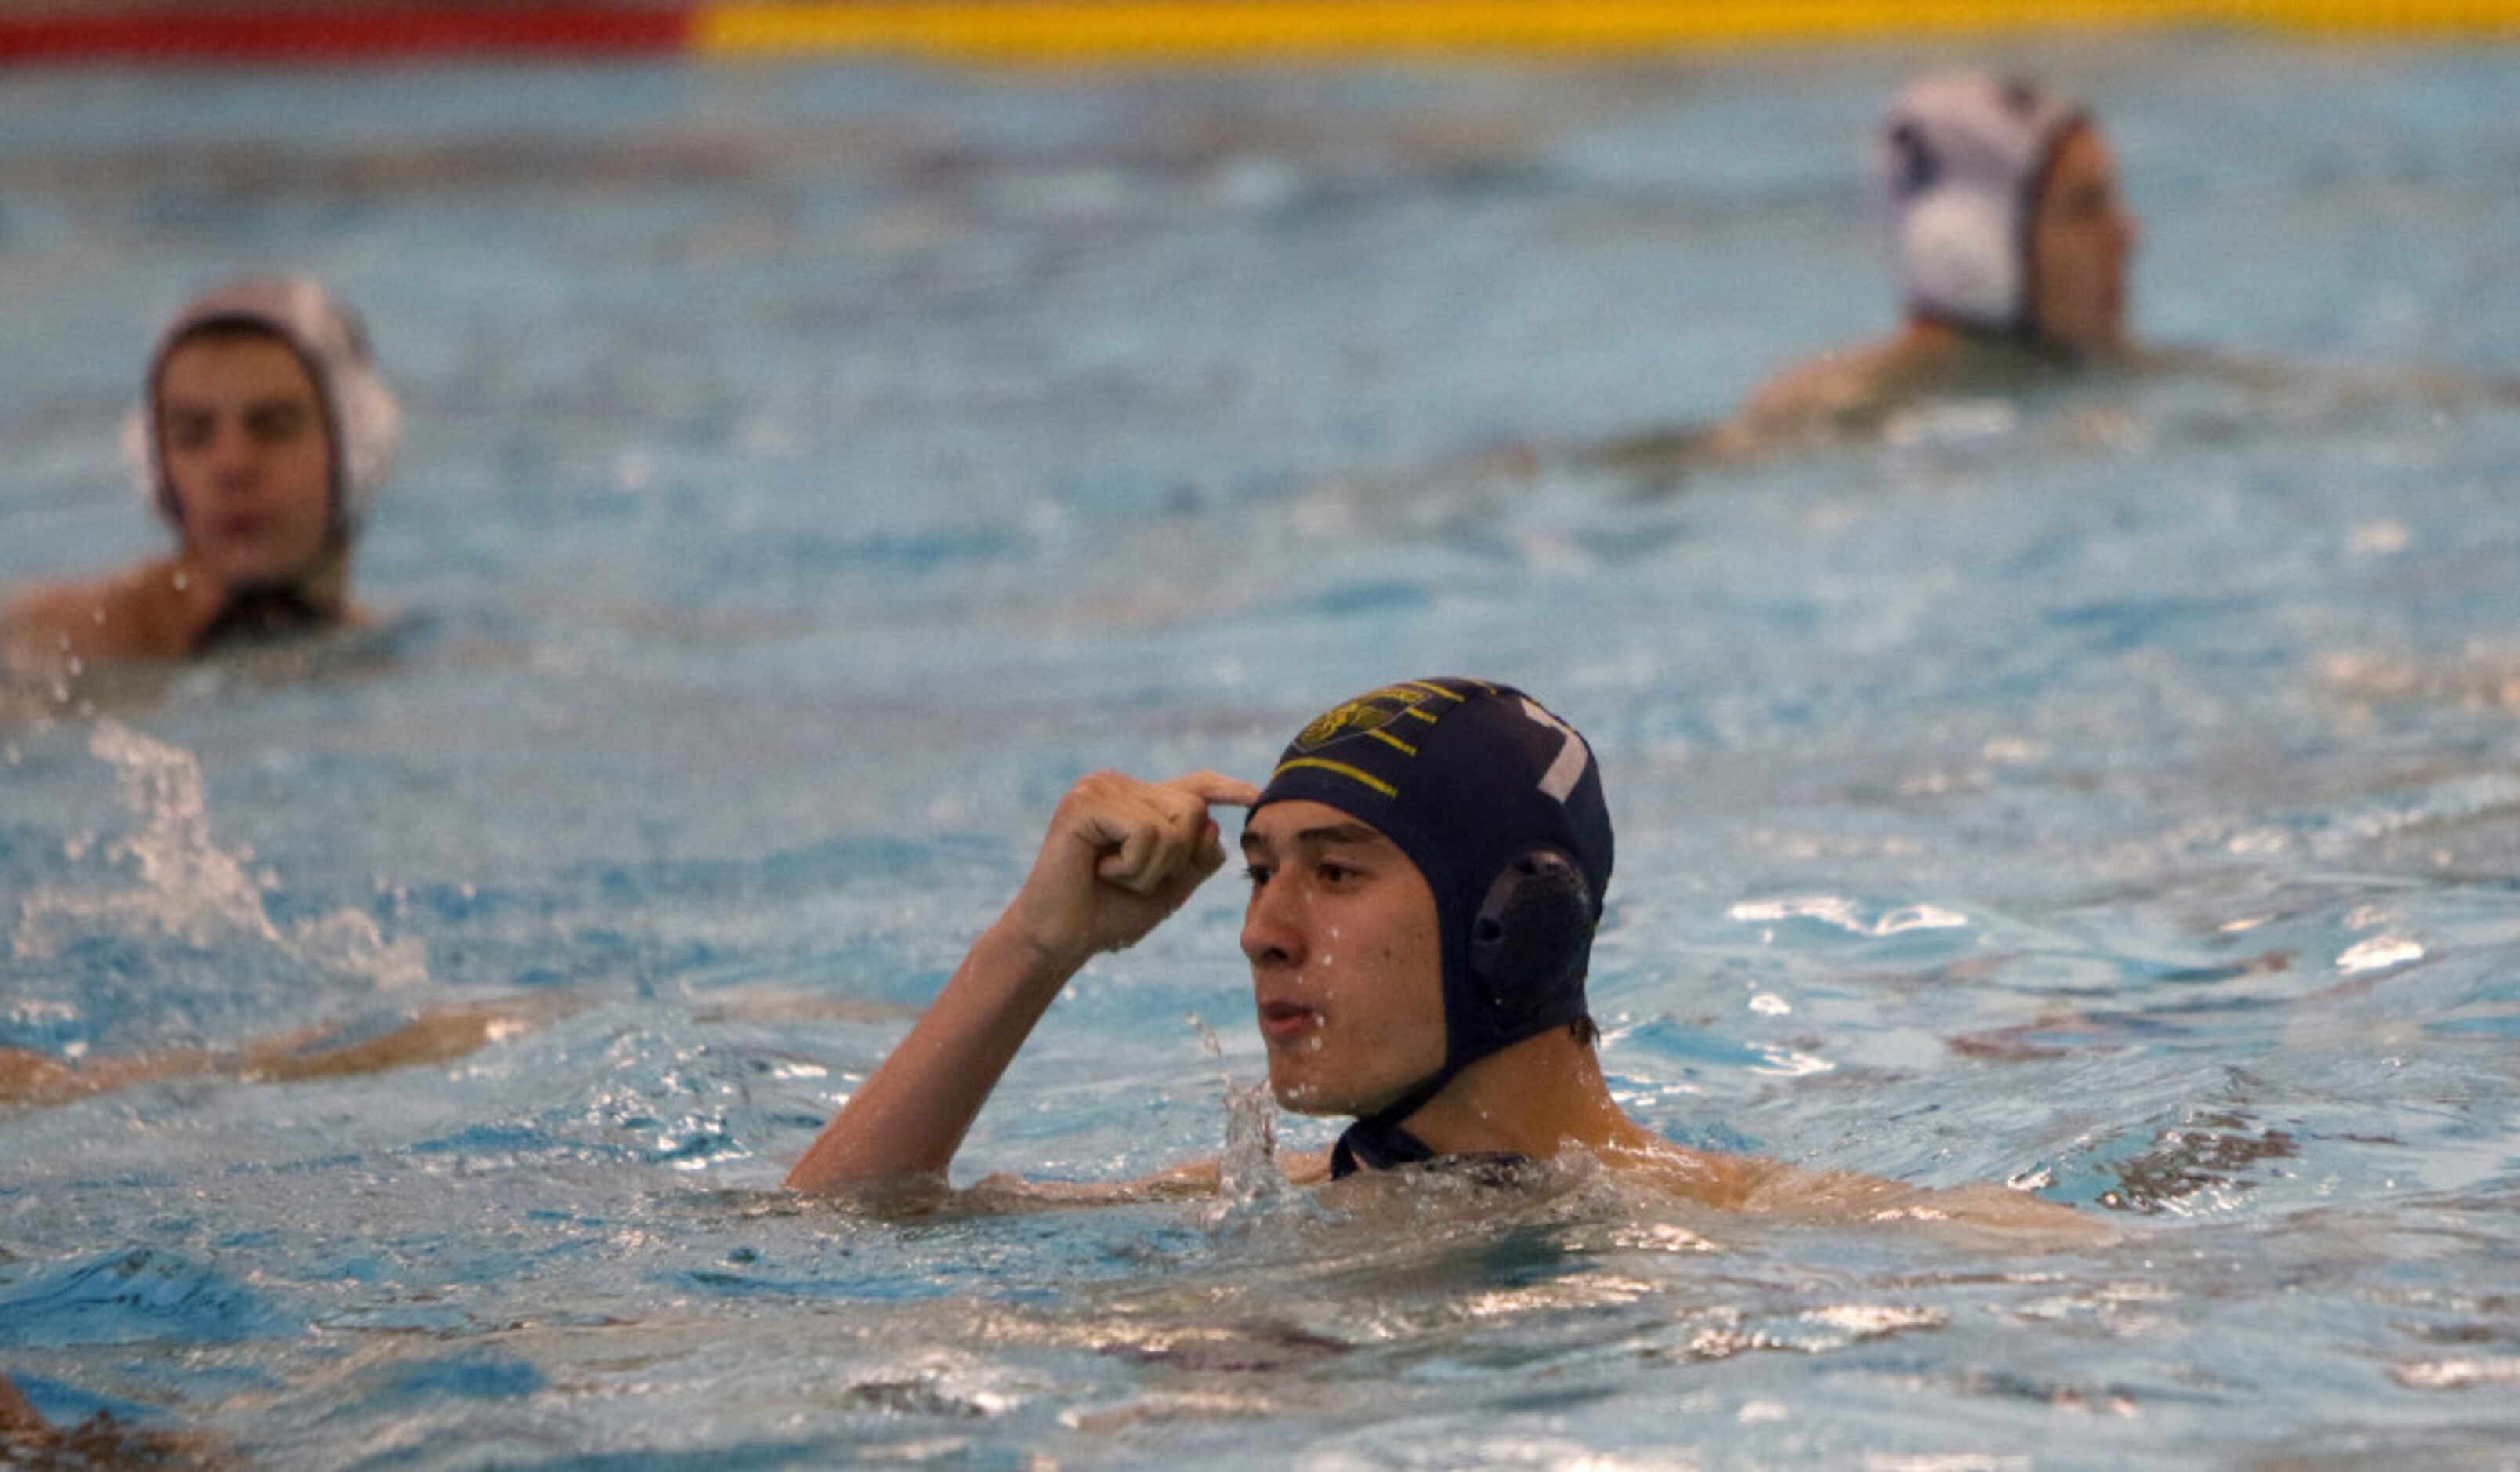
{"x":1120,"y":855}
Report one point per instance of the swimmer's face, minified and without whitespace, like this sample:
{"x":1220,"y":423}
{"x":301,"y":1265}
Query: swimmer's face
{"x":2079,"y":242}
{"x":1346,"y":960}
{"x":249,"y":454}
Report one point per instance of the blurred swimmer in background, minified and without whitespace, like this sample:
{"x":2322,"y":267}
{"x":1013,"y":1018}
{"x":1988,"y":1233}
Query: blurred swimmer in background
{"x":2011,"y":246}
{"x":264,"y":435}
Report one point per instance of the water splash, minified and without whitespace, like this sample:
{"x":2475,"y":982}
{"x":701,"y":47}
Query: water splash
{"x":1249,"y":1181}
{"x":191,"y":889}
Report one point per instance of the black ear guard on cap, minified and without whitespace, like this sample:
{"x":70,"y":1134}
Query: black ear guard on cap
{"x":1534,"y":930}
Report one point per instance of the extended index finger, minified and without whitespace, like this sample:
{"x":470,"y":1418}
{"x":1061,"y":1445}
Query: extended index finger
{"x":1215,"y":788}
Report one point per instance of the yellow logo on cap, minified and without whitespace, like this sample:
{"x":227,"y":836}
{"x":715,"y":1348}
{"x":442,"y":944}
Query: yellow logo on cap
{"x":1367,"y":716}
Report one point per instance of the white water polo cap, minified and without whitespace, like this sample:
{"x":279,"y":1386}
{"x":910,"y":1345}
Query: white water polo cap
{"x":1963,"y":155}
{"x":330,"y":340}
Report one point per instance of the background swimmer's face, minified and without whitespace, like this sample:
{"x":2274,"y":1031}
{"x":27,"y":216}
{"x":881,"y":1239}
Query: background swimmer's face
{"x":247,"y":453}
{"x":1348,"y":963}
{"x":2080,"y":241}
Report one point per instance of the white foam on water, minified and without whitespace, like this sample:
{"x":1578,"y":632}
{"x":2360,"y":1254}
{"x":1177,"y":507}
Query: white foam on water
{"x":188,"y":886}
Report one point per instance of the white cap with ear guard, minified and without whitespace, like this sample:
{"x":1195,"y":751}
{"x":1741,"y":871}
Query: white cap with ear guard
{"x":1962,"y":156}
{"x":328,"y":337}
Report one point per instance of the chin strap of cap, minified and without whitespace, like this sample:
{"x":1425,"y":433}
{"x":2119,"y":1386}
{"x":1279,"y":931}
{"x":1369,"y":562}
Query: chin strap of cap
{"x":261,"y":614}
{"x":1376,"y":1143}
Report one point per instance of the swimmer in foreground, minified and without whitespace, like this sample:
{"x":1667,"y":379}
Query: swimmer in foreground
{"x":2012,"y":244}
{"x":1427,"y":866}
{"x":266,"y":434}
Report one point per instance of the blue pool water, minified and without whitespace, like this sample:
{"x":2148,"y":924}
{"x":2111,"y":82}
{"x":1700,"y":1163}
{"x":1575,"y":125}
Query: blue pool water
{"x":812,"y":471}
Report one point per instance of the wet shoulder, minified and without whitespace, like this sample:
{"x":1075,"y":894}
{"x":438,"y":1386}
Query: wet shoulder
{"x":1845,"y":391}
{"x":136,"y":614}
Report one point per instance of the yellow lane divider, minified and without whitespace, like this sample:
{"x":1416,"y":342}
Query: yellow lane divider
{"x":1084,"y":30}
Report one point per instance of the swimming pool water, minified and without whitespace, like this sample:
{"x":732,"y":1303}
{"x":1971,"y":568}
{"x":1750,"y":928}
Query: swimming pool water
{"x":811,"y":471}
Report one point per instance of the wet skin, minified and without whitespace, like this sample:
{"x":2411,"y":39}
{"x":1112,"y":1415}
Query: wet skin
{"x":1346,"y":960}
{"x":2081,"y":239}
{"x":249,"y":454}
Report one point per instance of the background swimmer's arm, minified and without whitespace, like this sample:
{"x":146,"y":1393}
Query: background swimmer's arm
{"x":1120,"y":855}
{"x":1849,"y":391}
{"x":428,"y":1038}
{"x":39,"y":1081}
{"x":1661,"y":457}
{"x":35,"y":1079}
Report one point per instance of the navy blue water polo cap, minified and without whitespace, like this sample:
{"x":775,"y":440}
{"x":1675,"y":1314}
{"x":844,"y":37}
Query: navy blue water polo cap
{"x":1499,"y":804}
